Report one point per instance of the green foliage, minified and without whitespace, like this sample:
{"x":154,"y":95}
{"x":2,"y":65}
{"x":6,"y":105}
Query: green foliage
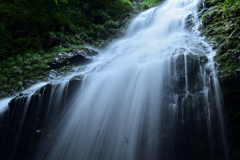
{"x":222,"y":30}
{"x":32,"y":31}
{"x":17,"y":69}
{"x":228,"y":2}
{"x":61,"y":1}
{"x":28,"y":25}
{"x":148,"y":3}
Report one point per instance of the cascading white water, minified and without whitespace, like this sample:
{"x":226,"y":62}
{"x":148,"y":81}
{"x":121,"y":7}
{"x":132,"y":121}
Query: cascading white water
{"x":138,"y":99}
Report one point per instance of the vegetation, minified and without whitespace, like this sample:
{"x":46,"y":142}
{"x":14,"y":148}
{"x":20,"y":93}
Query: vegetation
{"x":30,"y":29}
{"x":221,"y":26}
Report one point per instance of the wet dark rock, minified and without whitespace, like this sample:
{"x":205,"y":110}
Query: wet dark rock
{"x":4,"y":116}
{"x":189,"y":22}
{"x":192,"y":109}
{"x":203,"y":60}
{"x":89,"y":51}
{"x":74,"y":84}
{"x":200,"y":7}
{"x":30,"y":115}
{"x":208,"y":4}
{"x":77,"y":77}
{"x":193,"y":61}
{"x":74,"y":57}
{"x":180,"y":71}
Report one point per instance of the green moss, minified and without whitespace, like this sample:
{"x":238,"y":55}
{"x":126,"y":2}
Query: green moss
{"x":145,"y":4}
{"x":221,"y":26}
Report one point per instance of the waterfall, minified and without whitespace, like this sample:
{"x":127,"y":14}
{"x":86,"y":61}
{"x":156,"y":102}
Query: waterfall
{"x":150,"y":95}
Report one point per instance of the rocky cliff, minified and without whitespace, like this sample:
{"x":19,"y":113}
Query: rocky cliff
{"x":221,"y":26}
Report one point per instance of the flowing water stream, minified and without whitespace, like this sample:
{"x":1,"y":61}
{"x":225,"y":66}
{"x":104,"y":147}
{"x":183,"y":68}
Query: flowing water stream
{"x":151,"y":95}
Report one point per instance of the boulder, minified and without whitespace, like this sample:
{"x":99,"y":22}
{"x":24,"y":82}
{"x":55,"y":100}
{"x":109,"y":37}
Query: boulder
{"x":73,"y":57}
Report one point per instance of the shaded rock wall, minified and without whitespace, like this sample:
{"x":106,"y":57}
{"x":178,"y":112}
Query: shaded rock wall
{"x":194,"y":132}
{"x":190,"y":126}
{"x":184,"y":134}
{"x":221,"y":26}
{"x":27,"y":122}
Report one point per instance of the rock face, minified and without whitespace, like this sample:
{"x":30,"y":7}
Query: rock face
{"x":31,"y":116}
{"x":26,"y":123}
{"x":193,"y":109}
{"x":221,"y":27}
{"x":74,"y":57}
{"x":188,"y":131}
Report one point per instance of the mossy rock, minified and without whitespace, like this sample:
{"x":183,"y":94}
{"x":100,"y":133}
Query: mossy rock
{"x":221,"y":26}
